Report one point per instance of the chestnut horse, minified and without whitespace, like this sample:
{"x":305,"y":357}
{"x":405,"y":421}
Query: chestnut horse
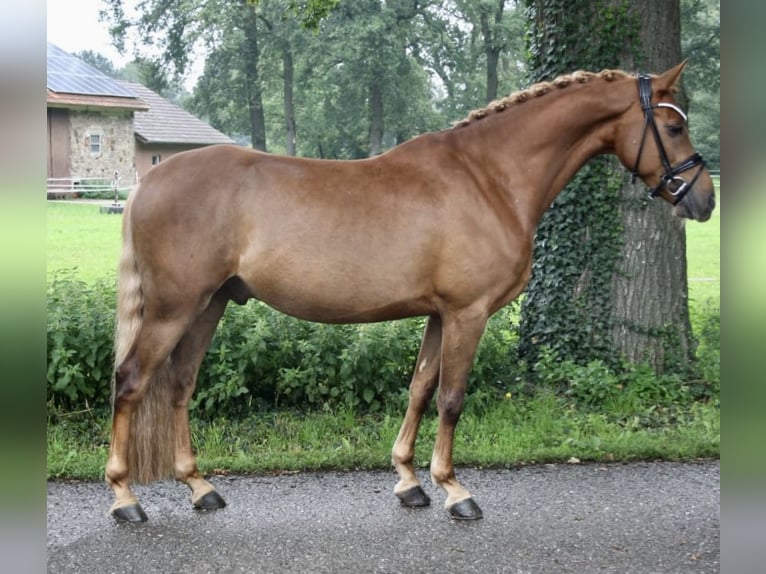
{"x":440,"y":226}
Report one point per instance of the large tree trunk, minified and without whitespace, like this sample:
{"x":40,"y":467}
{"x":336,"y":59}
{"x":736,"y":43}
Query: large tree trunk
{"x":490,"y":20}
{"x":376,"y":116}
{"x":609,"y":276}
{"x":650,"y":295}
{"x":288,"y":78}
{"x":254,"y":96}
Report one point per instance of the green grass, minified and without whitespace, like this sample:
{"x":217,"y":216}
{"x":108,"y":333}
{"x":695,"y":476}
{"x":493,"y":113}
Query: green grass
{"x":79,"y":237}
{"x":703,"y":242}
{"x":509,"y":432}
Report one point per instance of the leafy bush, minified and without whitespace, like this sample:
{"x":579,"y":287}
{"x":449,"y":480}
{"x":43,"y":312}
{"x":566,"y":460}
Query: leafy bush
{"x":79,"y":342}
{"x":259,"y":358}
{"x":708,"y":382}
{"x":262,"y":359}
{"x":597,"y":386}
{"x":278,"y":361}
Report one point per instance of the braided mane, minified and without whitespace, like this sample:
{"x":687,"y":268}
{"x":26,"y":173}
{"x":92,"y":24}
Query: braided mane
{"x":539,"y":89}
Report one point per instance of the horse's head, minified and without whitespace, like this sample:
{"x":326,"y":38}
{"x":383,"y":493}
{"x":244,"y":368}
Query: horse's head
{"x":653,"y":141}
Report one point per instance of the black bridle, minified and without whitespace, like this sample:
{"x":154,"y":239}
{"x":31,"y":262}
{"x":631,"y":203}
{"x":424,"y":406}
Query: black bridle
{"x":671,"y":172}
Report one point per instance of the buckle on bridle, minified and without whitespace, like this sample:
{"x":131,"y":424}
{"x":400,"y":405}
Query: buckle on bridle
{"x":678,"y":193}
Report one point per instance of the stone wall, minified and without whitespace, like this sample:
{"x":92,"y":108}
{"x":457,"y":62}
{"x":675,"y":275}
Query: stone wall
{"x":103,"y":142}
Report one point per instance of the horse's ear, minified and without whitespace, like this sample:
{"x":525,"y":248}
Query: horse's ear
{"x":668,"y":79}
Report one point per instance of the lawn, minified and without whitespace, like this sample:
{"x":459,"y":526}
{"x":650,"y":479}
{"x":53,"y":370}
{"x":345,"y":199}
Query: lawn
{"x":703,"y":254}
{"x":82,"y":239}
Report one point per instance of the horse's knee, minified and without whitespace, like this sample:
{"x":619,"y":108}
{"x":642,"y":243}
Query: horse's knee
{"x":450,"y":405}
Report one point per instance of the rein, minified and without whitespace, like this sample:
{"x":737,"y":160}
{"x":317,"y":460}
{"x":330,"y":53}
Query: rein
{"x":671,"y":172}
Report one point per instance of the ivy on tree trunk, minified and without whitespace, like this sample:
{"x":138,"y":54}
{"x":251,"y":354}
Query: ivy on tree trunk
{"x":609,"y":274}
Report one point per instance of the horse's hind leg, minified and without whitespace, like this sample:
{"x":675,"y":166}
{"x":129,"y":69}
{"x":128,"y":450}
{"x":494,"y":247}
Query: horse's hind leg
{"x":422,"y":388}
{"x":187,"y":358}
{"x":145,"y":366}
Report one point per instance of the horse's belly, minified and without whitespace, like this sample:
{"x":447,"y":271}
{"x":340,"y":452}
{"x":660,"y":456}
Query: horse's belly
{"x":324,"y":307}
{"x":338,"y":296}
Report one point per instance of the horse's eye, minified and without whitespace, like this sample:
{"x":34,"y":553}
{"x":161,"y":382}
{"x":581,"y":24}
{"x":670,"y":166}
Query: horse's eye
{"x":675,"y":130}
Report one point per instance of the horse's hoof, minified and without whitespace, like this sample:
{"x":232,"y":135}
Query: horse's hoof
{"x":465,"y":510}
{"x":211,"y":501}
{"x":414,"y":496}
{"x":130,"y":513}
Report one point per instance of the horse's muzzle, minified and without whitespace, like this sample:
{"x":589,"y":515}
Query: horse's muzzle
{"x":694,"y":207}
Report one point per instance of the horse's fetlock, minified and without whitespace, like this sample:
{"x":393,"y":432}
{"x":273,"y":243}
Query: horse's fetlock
{"x":402,"y":455}
{"x":116,"y":473}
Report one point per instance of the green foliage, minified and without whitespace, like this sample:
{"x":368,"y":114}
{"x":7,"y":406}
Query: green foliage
{"x":598,"y":387}
{"x":512,"y":430}
{"x":570,"y":298}
{"x":707,"y":380}
{"x":79,"y":342}
{"x":261,"y":359}
{"x":567,"y":305}
{"x":310,"y":12}
{"x":434,"y":60}
{"x":568,"y":301}
{"x":701,"y":44}
{"x":627,"y":387}
{"x":567,"y":35}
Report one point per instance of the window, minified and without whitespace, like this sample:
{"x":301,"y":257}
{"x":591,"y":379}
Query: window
{"x":95,"y":144}
{"x":156,"y":159}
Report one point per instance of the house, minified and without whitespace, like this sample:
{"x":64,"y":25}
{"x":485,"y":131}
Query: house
{"x":104,"y":132}
{"x":166,"y":129}
{"x":90,"y":124}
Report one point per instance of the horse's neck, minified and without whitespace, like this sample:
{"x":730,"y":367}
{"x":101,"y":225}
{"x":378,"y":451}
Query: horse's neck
{"x":535,"y":148}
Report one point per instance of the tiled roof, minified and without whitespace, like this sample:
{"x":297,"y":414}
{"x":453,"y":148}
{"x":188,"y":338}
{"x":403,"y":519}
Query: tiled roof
{"x":166,"y":123}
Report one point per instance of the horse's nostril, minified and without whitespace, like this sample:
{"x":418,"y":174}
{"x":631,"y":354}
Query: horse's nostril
{"x":711,"y":202}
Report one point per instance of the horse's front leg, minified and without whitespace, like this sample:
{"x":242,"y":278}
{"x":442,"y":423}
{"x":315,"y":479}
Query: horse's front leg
{"x":422,"y":388}
{"x":462,"y":332}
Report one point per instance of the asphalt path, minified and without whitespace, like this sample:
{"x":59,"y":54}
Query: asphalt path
{"x":638,"y":518}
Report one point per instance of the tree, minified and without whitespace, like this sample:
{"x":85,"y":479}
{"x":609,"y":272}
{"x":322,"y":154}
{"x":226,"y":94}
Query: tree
{"x":310,"y":12}
{"x":359,"y":88}
{"x":474,"y":52}
{"x":98,"y":61}
{"x":176,"y":27}
{"x":651,"y":308}
{"x":354,"y":73}
{"x":489,"y":18}
{"x":609,"y":271}
{"x":701,"y":44}
{"x":141,"y":70}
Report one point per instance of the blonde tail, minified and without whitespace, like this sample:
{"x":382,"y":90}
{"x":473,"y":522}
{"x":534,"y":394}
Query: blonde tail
{"x":151,"y":445}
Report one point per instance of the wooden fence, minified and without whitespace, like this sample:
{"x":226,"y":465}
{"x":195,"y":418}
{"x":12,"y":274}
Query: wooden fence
{"x":70,"y":187}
